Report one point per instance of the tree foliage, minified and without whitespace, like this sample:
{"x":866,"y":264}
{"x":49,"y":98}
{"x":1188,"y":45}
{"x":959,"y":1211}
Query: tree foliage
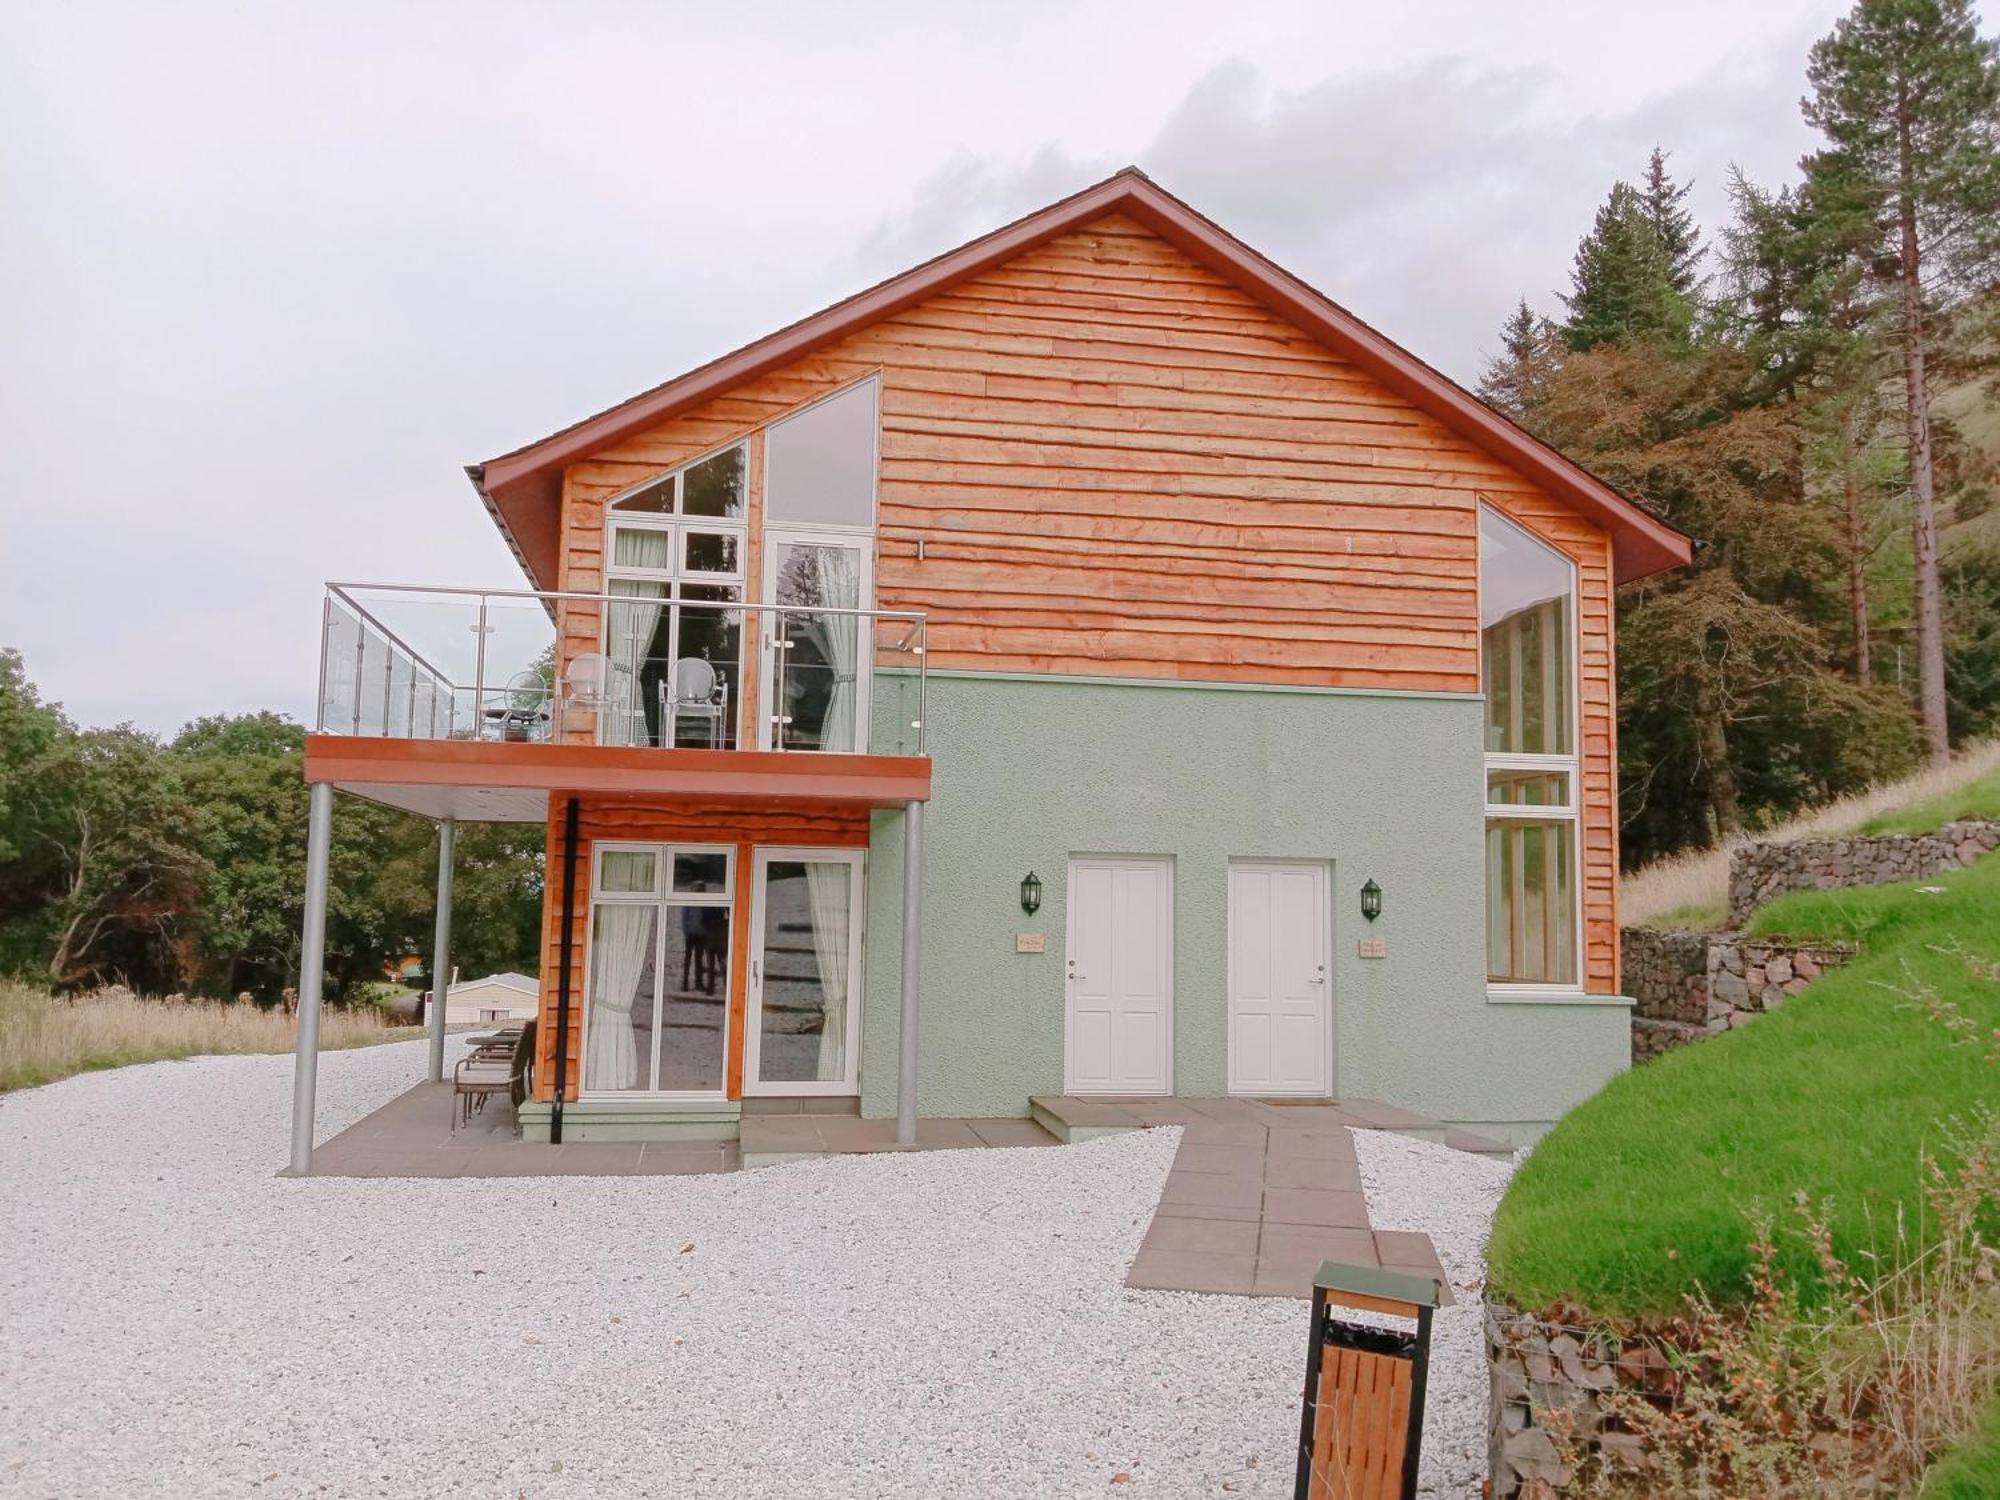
{"x":181,"y":866}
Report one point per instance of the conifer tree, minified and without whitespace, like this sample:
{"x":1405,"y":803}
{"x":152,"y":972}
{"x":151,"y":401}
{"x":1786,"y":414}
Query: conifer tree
{"x":1907,"y":94}
{"x":1515,"y":379}
{"x":1622,"y":284}
{"x":1673,"y":225}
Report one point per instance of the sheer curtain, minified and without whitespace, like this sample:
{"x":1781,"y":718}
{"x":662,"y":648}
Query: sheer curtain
{"x":839,"y":588}
{"x":829,"y":889}
{"x":633,"y":625}
{"x":623,"y":947}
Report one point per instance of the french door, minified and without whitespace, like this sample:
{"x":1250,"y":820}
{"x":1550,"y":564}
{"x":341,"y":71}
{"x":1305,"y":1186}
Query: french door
{"x":817,"y":657}
{"x":656,"y":1000}
{"x":803,"y":1014}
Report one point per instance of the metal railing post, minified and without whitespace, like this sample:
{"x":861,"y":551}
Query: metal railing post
{"x":325,"y":653}
{"x":479,"y":670}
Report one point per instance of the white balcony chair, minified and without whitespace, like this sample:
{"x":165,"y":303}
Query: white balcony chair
{"x":695,"y":692}
{"x":589,"y":684}
{"x":523,"y":710}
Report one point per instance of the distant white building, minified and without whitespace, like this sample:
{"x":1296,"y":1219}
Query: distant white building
{"x":497,"y":997}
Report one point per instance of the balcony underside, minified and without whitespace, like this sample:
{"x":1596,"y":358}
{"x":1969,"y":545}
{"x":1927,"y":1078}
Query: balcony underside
{"x":485,"y":781}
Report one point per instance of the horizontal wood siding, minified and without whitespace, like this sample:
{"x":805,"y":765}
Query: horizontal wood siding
{"x":743,"y":825}
{"x":1121,"y":464}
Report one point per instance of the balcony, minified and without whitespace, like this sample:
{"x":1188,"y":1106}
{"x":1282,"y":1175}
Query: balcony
{"x":478,"y":704}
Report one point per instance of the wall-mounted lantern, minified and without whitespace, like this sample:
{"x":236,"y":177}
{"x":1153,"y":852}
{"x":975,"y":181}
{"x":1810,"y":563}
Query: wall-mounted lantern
{"x":1371,"y":901}
{"x":1031,"y":894}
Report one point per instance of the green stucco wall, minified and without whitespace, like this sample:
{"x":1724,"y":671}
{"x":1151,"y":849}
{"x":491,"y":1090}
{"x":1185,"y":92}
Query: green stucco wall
{"x":1030,"y":771}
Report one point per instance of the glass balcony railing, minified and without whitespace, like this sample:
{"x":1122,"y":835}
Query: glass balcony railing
{"x":622,"y":668}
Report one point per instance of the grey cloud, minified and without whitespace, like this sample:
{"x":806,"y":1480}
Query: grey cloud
{"x":1425,"y":199}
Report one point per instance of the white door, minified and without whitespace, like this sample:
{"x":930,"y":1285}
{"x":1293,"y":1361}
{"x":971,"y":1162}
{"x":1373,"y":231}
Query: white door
{"x":802,"y":1032}
{"x":1119,"y":1019}
{"x":1280,"y":1015}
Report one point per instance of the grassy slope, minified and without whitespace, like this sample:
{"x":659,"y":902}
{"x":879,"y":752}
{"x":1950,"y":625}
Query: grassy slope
{"x":1979,"y":800}
{"x":1651,"y":1187}
{"x":1971,"y":1471}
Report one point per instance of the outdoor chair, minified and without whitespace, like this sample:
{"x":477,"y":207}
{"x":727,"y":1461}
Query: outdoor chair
{"x":699,"y":693}
{"x":523,"y":710}
{"x":496,"y":1068}
{"x":587,"y":684}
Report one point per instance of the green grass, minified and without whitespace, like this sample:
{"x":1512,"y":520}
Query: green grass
{"x":1971,"y":1471}
{"x":1650,"y":1189}
{"x":1980,"y":799}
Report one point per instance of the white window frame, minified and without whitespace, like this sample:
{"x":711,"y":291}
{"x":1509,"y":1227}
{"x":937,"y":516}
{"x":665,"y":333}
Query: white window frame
{"x":663,"y":899}
{"x":678,"y":528}
{"x":1569,"y":765}
{"x":849,"y":1084}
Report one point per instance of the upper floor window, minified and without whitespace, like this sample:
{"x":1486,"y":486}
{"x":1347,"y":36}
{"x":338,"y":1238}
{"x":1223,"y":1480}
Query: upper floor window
{"x":678,"y":548}
{"x":715,"y":487}
{"x":819,"y":464}
{"x":1527,"y":612}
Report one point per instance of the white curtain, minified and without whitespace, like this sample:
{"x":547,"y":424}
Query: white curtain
{"x":632,"y":625}
{"x":829,"y":888}
{"x":840,"y":588}
{"x":624,"y":942}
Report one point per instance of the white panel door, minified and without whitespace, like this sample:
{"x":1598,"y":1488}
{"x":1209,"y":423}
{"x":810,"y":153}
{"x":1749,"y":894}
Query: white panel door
{"x":1280,"y":1014}
{"x":1119,"y":956}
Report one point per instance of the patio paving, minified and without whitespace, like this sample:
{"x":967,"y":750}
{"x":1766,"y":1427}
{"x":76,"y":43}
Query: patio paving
{"x":1261,"y":1193}
{"x":411,"y":1136}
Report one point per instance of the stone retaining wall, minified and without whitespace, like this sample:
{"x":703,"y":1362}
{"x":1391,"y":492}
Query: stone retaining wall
{"x":1550,"y":1402}
{"x":1762,"y":872}
{"x":1688,"y":985}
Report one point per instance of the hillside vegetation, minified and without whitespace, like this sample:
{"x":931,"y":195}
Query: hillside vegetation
{"x":1691,"y":890}
{"x":1651,"y":1190}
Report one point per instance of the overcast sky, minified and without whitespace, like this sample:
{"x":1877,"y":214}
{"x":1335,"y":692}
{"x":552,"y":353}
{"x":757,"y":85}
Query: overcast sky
{"x":272,"y":273}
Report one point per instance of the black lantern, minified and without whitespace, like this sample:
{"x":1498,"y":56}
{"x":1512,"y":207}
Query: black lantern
{"x":1371,"y":901}
{"x":1031,"y":894}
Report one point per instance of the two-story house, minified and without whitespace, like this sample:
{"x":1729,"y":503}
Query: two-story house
{"x":1091,"y":662}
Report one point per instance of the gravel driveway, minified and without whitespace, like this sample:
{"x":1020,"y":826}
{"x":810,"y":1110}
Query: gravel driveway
{"x":177,"y":1321}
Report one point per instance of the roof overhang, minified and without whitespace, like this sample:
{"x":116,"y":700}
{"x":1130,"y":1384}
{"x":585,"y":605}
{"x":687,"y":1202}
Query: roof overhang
{"x":523,"y":489}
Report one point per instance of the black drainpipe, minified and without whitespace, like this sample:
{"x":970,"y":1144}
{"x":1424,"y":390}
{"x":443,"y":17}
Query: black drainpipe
{"x":568,"y":947}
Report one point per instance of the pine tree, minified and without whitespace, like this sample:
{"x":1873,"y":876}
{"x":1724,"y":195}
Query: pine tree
{"x":1622,"y":282}
{"x":1907,"y":94}
{"x":1515,"y":380}
{"x":1673,"y":225}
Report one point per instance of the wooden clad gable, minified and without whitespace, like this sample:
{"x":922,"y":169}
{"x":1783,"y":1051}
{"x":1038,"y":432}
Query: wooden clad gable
{"x":1120,"y":463}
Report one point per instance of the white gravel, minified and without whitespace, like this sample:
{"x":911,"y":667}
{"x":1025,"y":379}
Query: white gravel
{"x":1451,"y":1196}
{"x":175,"y":1320}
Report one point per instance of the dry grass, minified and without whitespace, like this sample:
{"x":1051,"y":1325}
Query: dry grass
{"x":1692,"y":890}
{"x":43,"y":1038}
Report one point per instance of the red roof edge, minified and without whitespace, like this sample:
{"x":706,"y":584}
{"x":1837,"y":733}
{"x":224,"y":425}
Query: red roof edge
{"x":523,"y":489}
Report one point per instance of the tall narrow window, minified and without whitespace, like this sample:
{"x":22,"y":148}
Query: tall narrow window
{"x":1527,"y":615}
{"x":676,"y":652}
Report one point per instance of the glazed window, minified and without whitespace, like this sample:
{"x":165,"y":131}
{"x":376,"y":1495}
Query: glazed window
{"x":656,"y":1005}
{"x":1527,"y":619}
{"x":677,"y":550}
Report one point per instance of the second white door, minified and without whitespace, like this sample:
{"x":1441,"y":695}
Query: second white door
{"x":1280,"y":1012}
{"x":1120,"y":976}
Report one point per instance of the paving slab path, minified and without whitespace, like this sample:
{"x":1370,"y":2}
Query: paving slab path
{"x":1260,"y":1194}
